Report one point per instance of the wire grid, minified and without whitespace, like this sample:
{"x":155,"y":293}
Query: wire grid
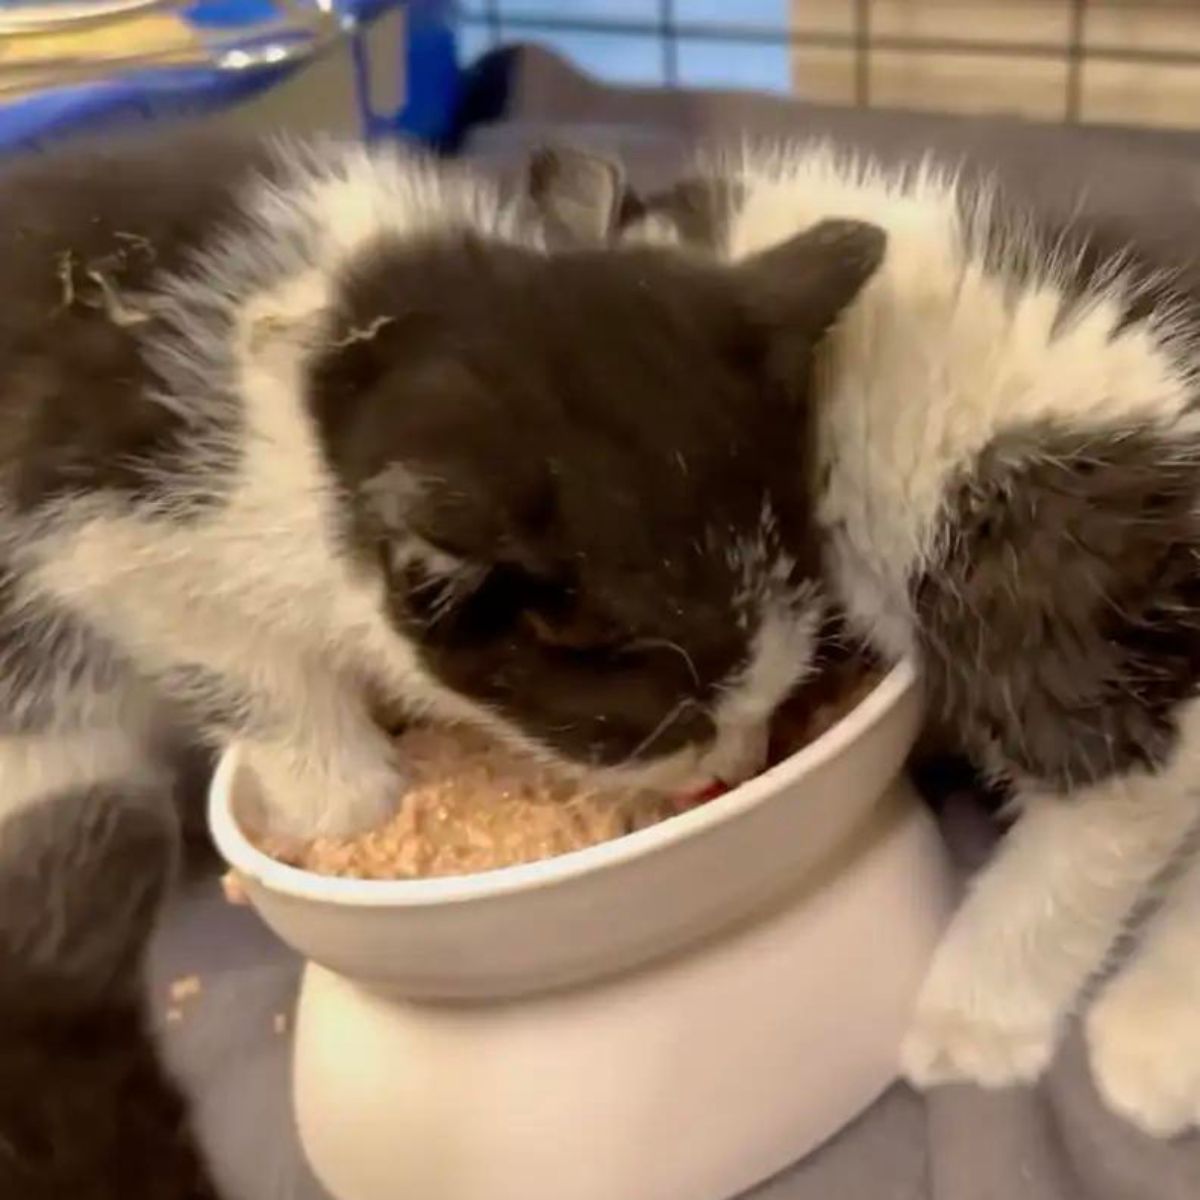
{"x":494,"y":22}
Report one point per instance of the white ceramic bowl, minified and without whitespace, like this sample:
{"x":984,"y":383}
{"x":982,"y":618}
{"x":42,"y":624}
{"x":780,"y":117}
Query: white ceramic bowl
{"x":675,"y":1015}
{"x":596,"y":911}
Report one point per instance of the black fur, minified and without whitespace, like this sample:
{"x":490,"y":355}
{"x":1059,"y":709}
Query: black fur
{"x":1060,"y":626}
{"x":598,"y":422}
{"x":589,"y":482}
{"x":594,"y":436}
{"x":82,"y":231}
{"x":593,"y":454}
{"x":86,"y":1112}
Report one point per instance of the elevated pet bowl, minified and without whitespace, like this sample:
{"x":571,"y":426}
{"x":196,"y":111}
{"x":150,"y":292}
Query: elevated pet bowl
{"x":675,"y":1015}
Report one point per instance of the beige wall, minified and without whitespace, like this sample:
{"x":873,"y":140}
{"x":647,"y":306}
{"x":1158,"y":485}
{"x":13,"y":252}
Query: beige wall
{"x":1037,"y":88}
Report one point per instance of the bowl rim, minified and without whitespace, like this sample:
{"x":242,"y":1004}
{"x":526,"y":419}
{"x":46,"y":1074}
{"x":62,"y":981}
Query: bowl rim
{"x":280,"y":878}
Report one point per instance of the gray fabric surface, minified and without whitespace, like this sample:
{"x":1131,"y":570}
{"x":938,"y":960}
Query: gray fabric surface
{"x":1055,"y":1142}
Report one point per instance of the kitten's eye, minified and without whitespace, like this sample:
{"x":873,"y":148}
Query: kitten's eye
{"x":571,"y":631}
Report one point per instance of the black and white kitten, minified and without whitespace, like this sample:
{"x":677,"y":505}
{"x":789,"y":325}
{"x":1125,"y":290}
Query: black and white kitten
{"x":87,"y":1112}
{"x":293,"y":436}
{"x":1007,"y":438}
{"x":296,"y":437}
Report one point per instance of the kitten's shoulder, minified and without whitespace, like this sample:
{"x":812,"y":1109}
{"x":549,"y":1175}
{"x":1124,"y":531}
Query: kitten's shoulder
{"x":1060,"y":617}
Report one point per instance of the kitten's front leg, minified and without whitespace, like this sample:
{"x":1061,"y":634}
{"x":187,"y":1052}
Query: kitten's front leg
{"x":1143,"y":1032}
{"x":324,"y":766}
{"x":1038,"y":923}
{"x":323,"y":790}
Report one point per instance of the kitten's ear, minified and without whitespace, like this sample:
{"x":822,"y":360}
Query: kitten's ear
{"x":694,"y":212}
{"x":578,"y":195}
{"x":804,"y":284}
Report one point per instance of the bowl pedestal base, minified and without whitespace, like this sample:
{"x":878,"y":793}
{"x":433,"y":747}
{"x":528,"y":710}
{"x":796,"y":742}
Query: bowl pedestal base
{"x":692,"y":1078}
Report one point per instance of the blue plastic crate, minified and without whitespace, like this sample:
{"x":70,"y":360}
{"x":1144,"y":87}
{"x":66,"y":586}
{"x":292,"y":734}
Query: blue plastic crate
{"x":157,"y":93}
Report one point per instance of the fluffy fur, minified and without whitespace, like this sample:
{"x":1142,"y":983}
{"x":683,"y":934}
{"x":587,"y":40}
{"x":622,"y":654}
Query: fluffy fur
{"x":1007,"y":449}
{"x":86,"y":1111}
{"x":299,"y":438}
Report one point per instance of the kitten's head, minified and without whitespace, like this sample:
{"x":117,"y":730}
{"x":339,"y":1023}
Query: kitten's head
{"x":582,"y":476}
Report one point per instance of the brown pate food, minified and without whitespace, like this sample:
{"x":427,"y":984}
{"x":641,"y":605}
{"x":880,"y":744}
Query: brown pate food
{"x":473,"y":805}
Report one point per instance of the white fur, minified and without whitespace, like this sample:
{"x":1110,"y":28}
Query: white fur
{"x":256,"y":590}
{"x":782,"y":650}
{"x":1144,"y":1030}
{"x":935,"y":358}
{"x":1040,"y":920}
{"x":34,"y":767}
{"x":938,"y":356}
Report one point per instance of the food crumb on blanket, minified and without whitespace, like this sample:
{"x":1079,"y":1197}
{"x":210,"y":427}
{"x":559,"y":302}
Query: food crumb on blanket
{"x":234,"y":887}
{"x":185,"y":988}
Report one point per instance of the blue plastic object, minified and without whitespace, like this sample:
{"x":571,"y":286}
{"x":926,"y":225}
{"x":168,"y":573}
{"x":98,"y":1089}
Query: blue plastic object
{"x":161,"y":93}
{"x":431,"y":73}
{"x":226,"y":14}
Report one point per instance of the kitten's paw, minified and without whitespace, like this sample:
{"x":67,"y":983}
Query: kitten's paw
{"x":948,"y":1046}
{"x":982,"y":1017}
{"x":1143,"y":1036}
{"x":330,"y":797}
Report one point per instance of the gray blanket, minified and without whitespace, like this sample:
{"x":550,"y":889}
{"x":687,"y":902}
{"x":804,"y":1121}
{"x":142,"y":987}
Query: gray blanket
{"x":1055,"y":1142}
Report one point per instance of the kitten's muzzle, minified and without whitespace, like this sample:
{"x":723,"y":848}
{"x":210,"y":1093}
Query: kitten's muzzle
{"x":731,"y":757}
{"x":739,"y":754}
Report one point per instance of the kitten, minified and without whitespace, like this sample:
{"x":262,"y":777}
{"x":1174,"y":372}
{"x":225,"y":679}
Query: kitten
{"x":297,"y":435}
{"x":86,"y":1111}
{"x":1007,"y":487}
{"x":293,"y":437}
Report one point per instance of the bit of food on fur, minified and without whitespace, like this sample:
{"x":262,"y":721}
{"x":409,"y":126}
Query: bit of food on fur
{"x":473,"y":805}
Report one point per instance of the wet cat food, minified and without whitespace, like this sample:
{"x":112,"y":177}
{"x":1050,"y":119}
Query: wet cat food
{"x":473,"y":805}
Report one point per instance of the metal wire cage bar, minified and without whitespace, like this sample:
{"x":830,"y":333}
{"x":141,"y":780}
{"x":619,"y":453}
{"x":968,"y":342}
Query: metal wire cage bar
{"x":1080,"y":43}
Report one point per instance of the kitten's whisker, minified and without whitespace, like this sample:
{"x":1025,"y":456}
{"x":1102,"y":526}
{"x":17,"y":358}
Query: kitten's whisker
{"x":672,"y":716}
{"x":667,"y":644}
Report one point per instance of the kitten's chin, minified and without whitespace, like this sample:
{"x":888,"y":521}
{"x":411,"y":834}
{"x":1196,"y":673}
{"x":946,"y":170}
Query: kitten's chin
{"x":738,"y":755}
{"x":667,"y":776}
